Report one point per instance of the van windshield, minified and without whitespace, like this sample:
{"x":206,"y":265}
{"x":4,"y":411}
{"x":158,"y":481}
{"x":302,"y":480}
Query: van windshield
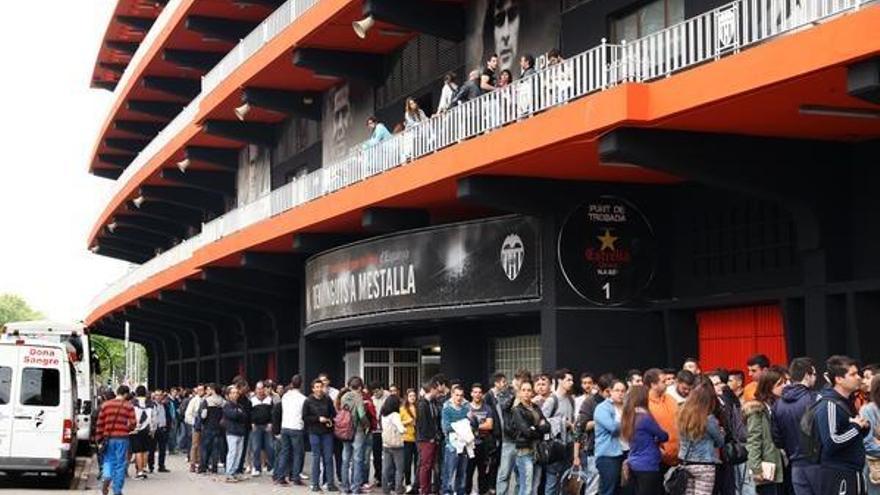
{"x":5,"y":384}
{"x":40,"y":387}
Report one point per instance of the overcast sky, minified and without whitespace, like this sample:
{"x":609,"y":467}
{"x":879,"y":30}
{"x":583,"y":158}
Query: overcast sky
{"x":48,"y":125}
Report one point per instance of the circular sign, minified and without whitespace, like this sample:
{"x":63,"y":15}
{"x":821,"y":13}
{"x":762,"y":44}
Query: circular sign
{"x":607,"y":251}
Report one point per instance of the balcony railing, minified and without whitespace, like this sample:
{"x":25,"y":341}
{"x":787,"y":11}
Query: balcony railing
{"x":709,"y":36}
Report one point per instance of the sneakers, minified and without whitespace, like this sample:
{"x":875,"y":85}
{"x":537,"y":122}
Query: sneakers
{"x":281,"y":482}
{"x":140,"y":476}
{"x":255,"y":473}
{"x":314,"y":489}
{"x":232,"y":479}
{"x":331,"y":488}
{"x":303,"y":476}
{"x":163,"y":469}
{"x":297,"y":482}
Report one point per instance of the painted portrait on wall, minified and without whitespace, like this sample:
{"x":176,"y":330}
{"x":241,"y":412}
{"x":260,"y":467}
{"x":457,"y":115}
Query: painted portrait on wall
{"x":511,"y":28}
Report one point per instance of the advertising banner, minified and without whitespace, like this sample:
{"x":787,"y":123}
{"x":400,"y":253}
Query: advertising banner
{"x":485,"y":261}
{"x":607,"y":251}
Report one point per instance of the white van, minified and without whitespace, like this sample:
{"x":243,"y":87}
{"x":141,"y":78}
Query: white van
{"x":62,"y":333}
{"x":37,"y":408}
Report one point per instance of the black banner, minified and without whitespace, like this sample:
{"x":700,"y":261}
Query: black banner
{"x":607,"y":251}
{"x":478,"y":262}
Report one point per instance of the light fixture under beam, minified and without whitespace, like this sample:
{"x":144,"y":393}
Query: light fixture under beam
{"x":362,"y":26}
{"x":182,"y":165}
{"x":242,"y":111}
{"x":827,"y":111}
{"x":138,"y":201}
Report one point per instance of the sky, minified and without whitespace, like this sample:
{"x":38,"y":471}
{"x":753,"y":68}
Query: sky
{"x":49,"y":124}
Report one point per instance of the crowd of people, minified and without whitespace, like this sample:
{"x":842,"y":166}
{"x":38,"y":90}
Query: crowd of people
{"x":790,"y":430}
{"x":479,"y":82}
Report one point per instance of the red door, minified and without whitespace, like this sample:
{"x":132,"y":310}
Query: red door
{"x":728,"y":337}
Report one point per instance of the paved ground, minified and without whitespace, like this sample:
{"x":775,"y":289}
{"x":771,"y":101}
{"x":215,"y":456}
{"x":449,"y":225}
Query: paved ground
{"x":178,"y":482}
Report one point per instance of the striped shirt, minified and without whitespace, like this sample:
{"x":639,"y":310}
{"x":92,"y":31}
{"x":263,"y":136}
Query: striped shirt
{"x":116,"y":419}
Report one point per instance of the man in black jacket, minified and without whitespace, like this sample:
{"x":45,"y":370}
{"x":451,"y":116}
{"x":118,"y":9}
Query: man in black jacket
{"x":318,"y":414}
{"x":427,"y":435}
{"x":787,"y":414}
{"x":261,"y":434}
{"x":469,"y":90}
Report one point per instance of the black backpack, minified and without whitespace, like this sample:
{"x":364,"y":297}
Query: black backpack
{"x":810,"y":442}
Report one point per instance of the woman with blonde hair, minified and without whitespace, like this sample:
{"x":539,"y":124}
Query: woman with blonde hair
{"x":700,"y":437}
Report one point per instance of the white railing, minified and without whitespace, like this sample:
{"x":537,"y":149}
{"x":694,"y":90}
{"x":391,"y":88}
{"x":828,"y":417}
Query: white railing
{"x":251,"y":44}
{"x":709,"y":36}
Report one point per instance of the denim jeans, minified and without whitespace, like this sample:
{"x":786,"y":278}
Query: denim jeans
{"x":365,"y":457}
{"x":292,"y":451}
{"x":322,"y":453}
{"x":209,"y":449}
{"x":352,"y":463}
{"x":745,"y":481}
{"x":805,"y":479}
{"x":115,"y":462}
{"x":184,"y":438}
{"x":553,"y":478}
{"x":261,"y":439}
{"x":609,"y":474}
{"x":525,"y":468}
{"x":234,"y":451}
{"x":507,"y":460}
{"x":453,"y":472}
{"x":392,"y":470}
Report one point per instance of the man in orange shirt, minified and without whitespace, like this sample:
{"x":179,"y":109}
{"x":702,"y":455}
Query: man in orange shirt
{"x":757,"y":365}
{"x":664,"y":409}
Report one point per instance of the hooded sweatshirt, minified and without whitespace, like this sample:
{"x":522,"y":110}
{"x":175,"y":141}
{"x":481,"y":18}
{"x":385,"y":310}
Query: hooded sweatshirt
{"x":787,"y":414}
{"x":842,"y":446}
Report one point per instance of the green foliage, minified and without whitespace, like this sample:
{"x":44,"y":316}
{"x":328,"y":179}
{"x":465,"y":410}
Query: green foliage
{"x":15,"y":308}
{"x":111,"y":354}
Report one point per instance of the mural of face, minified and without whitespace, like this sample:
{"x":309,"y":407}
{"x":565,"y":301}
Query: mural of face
{"x":506,"y":20}
{"x":341,"y":119}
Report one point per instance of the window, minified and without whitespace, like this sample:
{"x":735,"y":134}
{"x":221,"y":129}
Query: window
{"x":514,"y":353}
{"x":647,"y":19}
{"x":40,"y":387}
{"x":5,"y":384}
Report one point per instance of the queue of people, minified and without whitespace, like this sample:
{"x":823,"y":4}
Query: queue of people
{"x":795,"y":431}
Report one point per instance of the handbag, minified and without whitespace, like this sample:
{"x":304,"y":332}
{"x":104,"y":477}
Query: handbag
{"x":675,"y":481}
{"x":873,"y":469}
{"x":573,"y":481}
{"x":625,"y":473}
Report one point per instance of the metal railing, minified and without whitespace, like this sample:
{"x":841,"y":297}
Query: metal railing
{"x":251,"y":44}
{"x":709,"y":36}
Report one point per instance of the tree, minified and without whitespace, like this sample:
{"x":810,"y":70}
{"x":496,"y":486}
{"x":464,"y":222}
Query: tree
{"x":15,"y":308}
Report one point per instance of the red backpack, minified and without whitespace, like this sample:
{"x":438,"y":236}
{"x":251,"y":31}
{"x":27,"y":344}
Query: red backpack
{"x":343,"y":425}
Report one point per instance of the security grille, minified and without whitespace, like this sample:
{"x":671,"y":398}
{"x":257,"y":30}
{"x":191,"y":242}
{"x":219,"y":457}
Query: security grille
{"x":424,"y":60}
{"x":390,"y":365}
{"x":514,"y":353}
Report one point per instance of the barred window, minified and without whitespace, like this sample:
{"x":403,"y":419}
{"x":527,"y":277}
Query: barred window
{"x":514,"y":353}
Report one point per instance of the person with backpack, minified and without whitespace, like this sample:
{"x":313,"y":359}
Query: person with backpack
{"x":408,"y":416}
{"x":142,"y":436}
{"x":840,"y":431}
{"x":559,"y":411}
{"x":392,"y":446}
{"x":787,"y":414}
{"x":318,"y":414}
{"x":765,"y":459}
{"x":348,"y":427}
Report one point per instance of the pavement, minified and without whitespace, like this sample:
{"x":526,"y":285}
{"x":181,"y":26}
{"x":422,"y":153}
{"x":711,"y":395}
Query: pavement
{"x":178,"y":482}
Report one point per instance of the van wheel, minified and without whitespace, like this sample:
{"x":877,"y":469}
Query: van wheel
{"x":84,"y":448}
{"x":64,"y":479}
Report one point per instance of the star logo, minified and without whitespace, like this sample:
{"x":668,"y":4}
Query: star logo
{"x":607,"y":241}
